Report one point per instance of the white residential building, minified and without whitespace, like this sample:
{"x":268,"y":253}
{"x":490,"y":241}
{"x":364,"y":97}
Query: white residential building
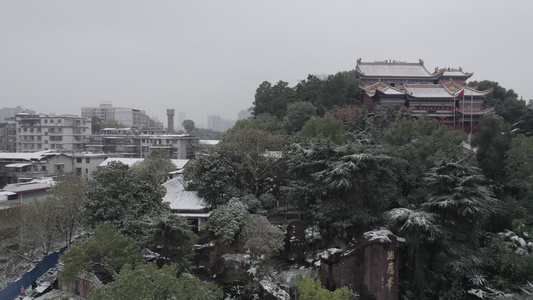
{"x":47,"y":132}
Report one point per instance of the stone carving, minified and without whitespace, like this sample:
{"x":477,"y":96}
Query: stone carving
{"x":369,"y":266}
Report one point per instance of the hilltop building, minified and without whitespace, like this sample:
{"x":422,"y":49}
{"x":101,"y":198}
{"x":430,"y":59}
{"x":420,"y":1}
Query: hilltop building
{"x":442,"y":95}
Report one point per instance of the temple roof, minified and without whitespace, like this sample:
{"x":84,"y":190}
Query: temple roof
{"x":427,"y":91}
{"x":390,"y":68}
{"x":453,"y":72}
{"x":442,"y":90}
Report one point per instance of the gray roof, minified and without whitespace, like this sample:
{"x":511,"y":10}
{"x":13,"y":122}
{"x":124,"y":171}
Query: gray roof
{"x":394,"y":70}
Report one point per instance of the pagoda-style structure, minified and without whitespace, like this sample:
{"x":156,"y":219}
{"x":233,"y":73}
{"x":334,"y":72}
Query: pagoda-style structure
{"x":442,"y":94}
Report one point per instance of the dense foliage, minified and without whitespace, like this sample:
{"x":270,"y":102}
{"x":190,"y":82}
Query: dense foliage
{"x":122,"y":196}
{"x":311,"y":152}
{"x":147,"y":281}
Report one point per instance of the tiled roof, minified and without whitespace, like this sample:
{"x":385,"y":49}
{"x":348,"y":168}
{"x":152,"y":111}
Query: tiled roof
{"x":28,"y":156}
{"x":428,"y":91}
{"x":392,"y":69}
{"x":445,"y":90}
{"x":36,"y":184}
{"x":127,"y":161}
{"x":181,"y":200}
{"x":179,"y":163}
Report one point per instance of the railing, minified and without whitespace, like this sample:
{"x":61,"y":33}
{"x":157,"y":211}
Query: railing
{"x":13,"y":290}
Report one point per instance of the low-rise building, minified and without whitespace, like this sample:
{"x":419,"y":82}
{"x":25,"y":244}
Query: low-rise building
{"x":25,"y":192}
{"x":186,"y":203}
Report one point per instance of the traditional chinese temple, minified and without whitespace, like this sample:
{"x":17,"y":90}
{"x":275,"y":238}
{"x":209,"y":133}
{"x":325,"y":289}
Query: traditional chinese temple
{"x":442,"y":94}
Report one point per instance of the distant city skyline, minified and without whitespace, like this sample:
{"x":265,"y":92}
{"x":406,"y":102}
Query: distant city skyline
{"x":209,"y":57}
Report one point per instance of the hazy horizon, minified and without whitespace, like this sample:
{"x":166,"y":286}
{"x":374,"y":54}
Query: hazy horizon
{"x":209,"y":57}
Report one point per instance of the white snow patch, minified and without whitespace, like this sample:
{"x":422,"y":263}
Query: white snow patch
{"x":380,"y":235}
{"x":327,"y":253}
{"x":274,"y":290}
{"x":234,"y":257}
{"x":197,"y":246}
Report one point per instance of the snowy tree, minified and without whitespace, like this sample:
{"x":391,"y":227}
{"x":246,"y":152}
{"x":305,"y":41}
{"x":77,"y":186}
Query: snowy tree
{"x":341,"y":186}
{"x":297,"y":114}
{"x":213,"y":176}
{"x":227,"y":221}
{"x":156,"y":163}
{"x":519,"y":163}
{"x":122,"y":196}
{"x":147,"y":281}
{"x":420,"y":228}
{"x":173,"y":238}
{"x":261,"y":237}
{"x":461,"y":201}
{"x":105,"y":247}
{"x":326,"y":127}
{"x":415,"y":144}
{"x":68,"y":195}
{"x":39,"y":225}
{"x":309,"y":289}
{"x":253,"y":153}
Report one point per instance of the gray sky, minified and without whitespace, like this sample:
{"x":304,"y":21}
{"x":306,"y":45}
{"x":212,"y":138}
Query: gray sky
{"x":209,"y":57}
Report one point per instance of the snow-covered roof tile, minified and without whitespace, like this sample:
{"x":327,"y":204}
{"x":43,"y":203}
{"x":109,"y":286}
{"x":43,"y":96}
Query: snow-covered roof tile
{"x":180,"y":199}
{"x":394,"y":69}
{"x":24,"y":187}
{"x":127,"y":161}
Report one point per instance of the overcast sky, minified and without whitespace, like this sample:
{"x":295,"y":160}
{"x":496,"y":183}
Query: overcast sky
{"x":209,"y":57}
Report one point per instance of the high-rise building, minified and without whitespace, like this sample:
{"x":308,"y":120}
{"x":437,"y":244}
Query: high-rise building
{"x":182,"y":116}
{"x":216,"y":123}
{"x":129,"y":117}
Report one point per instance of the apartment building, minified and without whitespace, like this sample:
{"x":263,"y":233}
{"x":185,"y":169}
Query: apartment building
{"x":129,"y":117}
{"x":50,"y":132}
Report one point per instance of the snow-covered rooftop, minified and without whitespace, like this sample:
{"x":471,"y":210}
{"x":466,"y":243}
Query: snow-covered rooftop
{"x":127,"y":161}
{"x":208,"y":142}
{"x":393,"y":69}
{"x":381,"y":235}
{"x":181,"y":200}
{"x":179,"y":163}
{"x":27,"y":156}
{"x":24,"y":187}
{"x":428,"y":91}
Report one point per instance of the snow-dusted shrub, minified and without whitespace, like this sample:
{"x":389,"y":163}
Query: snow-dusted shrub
{"x":268,"y":201}
{"x":261,"y":237}
{"x":227,"y":220}
{"x":312,"y":234}
{"x":252,"y":203}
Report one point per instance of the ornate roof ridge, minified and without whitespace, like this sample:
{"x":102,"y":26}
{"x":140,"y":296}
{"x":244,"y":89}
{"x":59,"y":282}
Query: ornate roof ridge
{"x":390,"y":62}
{"x":448,"y":69}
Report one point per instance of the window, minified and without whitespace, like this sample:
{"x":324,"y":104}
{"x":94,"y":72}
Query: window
{"x":78,"y":160}
{"x":86,"y":171}
{"x":88,"y":160}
